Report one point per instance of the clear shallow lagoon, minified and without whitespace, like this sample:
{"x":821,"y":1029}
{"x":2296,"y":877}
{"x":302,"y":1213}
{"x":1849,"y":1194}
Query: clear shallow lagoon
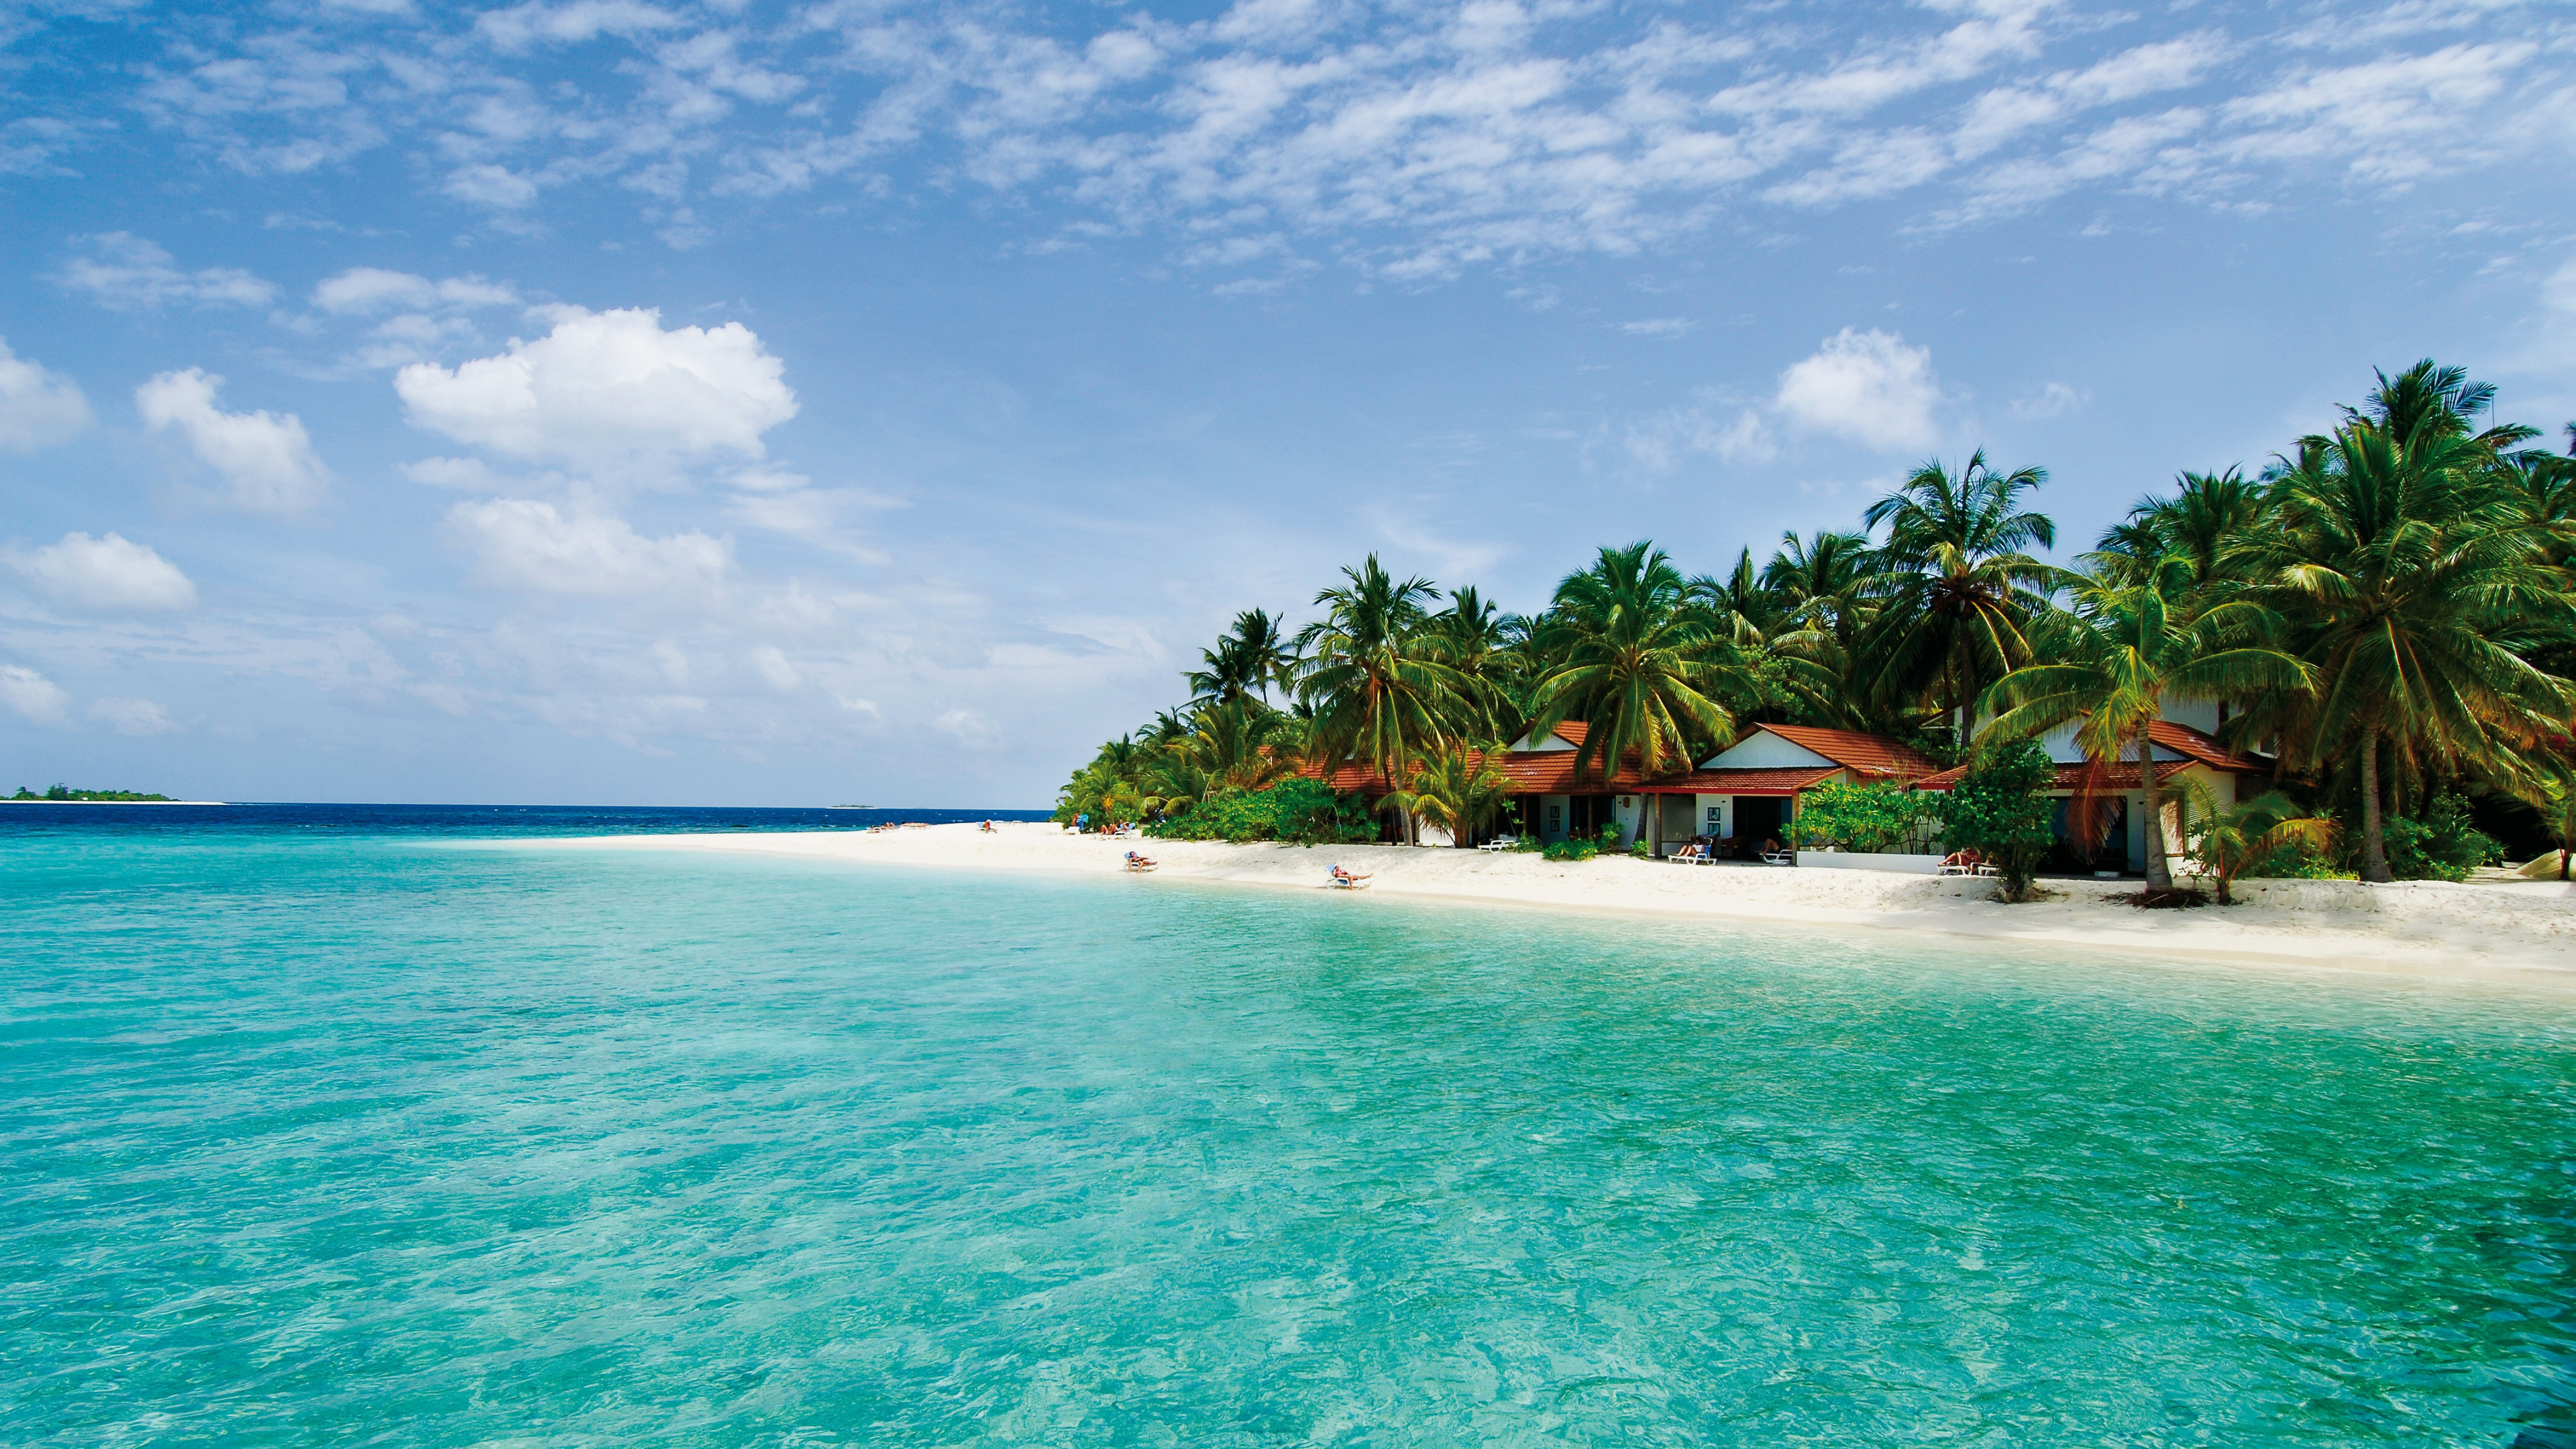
{"x":340,"y":1136}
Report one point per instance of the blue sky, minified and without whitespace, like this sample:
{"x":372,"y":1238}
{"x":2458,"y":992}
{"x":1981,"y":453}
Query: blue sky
{"x":616,"y":402}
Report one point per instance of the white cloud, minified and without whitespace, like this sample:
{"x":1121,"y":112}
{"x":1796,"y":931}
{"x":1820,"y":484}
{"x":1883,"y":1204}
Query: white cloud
{"x":523,"y":544}
{"x":38,"y":406}
{"x":605,"y":385}
{"x":369,"y":290}
{"x":265,"y":456}
{"x":770,"y":663}
{"x":1661,"y":442}
{"x":1657,"y":327}
{"x":103,"y":575}
{"x":129,"y":716}
{"x":126,"y":272}
{"x":1866,"y":386}
{"x":969,"y":728}
{"x":571,"y":23}
{"x":2052,"y":400}
{"x":34,"y":697}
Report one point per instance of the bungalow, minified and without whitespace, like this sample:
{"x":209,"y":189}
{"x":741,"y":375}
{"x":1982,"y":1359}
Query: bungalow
{"x":1745,"y":792}
{"x":2181,"y":753}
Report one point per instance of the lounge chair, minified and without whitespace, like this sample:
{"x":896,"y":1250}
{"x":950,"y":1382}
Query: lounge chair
{"x":1139,"y":863}
{"x":1691,"y":854}
{"x":1780,"y":856}
{"x":1964,"y":862}
{"x":1342,"y":880}
{"x":1502,"y":842}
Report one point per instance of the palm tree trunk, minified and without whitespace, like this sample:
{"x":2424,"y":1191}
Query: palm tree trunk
{"x":2159,"y":872}
{"x":2374,"y":846}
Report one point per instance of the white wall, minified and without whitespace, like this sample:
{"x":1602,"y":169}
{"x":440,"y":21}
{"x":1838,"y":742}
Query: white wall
{"x":1722,"y":824}
{"x":1763,"y":750}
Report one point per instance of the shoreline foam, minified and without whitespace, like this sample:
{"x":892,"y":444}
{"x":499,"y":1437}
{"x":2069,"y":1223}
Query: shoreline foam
{"x":2517,"y":933}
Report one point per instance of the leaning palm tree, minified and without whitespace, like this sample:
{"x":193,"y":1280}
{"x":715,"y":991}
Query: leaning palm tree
{"x":2416,"y":584}
{"x":1375,"y":676}
{"x":2116,"y":658}
{"x":1954,"y":587}
{"x":1640,"y":663}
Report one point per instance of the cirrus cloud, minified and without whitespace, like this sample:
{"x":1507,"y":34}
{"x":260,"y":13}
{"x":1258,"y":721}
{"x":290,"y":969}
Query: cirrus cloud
{"x":524,"y":544}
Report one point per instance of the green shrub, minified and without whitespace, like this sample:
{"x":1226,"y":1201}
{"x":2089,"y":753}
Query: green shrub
{"x":1298,"y":810}
{"x":2001,"y":810}
{"x":1877,"y":817}
{"x":1575,"y":847}
{"x":2297,"y":860}
{"x":2442,"y":845}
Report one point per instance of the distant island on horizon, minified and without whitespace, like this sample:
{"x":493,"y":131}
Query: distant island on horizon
{"x":60,"y":793}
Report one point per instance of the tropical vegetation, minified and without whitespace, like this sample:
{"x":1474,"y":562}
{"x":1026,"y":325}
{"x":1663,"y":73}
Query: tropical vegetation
{"x":2384,"y":612}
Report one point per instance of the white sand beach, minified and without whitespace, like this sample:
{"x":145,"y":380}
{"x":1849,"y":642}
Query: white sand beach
{"x":2523,"y":932}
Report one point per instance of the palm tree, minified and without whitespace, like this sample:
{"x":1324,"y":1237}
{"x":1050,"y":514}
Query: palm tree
{"x":2209,"y":515}
{"x":1475,"y":638}
{"x":2119,"y":655}
{"x":1247,"y":660}
{"x":1954,"y":586}
{"x":1640,"y":662}
{"x":1819,"y":588}
{"x":2227,"y":841}
{"x":1463,"y":789}
{"x":2414,"y":581}
{"x":1375,"y":676}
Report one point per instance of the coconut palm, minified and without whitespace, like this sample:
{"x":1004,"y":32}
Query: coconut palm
{"x":1475,"y":638}
{"x":2228,"y":840}
{"x":1954,"y":586}
{"x":1640,"y":662}
{"x":1819,"y":587}
{"x":2116,"y":658}
{"x":2208,"y":515}
{"x":1463,"y":789}
{"x":2414,"y":582}
{"x":1247,"y":660}
{"x":1375,"y":675}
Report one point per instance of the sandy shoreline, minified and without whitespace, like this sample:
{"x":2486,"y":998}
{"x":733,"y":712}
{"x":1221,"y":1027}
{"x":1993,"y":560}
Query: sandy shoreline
{"x":2523,"y":933}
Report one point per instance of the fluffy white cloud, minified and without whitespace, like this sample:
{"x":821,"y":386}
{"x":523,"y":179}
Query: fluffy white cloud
{"x":124,"y":271}
{"x":34,"y":697}
{"x":369,"y":290}
{"x":132,"y":716}
{"x":265,"y":456}
{"x":1866,"y":386}
{"x":104,"y":575}
{"x":38,"y":407}
{"x":604,"y":385}
{"x":520,"y":543}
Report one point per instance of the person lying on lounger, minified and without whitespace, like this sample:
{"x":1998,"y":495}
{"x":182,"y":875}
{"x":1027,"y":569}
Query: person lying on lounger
{"x":1342,"y":877}
{"x":1138,"y":862}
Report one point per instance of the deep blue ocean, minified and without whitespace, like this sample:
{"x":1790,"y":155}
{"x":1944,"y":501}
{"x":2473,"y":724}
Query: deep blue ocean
{"x":409,"y":1126}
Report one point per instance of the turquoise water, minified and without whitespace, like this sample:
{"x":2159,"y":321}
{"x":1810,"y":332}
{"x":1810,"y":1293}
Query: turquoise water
{"x":375,"y":1140}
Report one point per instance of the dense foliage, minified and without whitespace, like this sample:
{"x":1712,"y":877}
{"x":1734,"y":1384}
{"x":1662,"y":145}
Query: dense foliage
{"x":65,"y":792}
{"x":1297,"y":810}
{"x":1879,"y":816}
{"x":2001,"y":810}
{"x":2385,"y":612}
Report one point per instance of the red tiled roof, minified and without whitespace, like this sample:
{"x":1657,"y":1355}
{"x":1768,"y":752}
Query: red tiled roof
{"x":1854,"y":750}
{"x":2184,"y":740}
{"x":2122,"y":776}
{"x":1785,"y":781}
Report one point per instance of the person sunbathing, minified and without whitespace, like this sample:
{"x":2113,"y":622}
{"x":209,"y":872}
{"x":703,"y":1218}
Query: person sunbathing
{"x":1343,"y":877}
{"x":1138,"y":862}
